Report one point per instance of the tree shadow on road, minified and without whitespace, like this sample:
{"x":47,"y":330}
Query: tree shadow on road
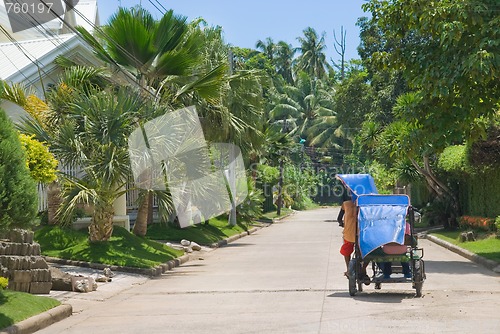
{"x":456,"y":267}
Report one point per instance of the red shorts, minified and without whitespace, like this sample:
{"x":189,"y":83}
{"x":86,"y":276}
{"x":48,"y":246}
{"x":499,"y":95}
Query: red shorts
{"x":347,"y":248}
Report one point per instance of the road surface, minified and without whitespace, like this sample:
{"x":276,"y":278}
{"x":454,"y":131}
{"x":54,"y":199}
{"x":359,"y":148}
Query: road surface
{"x":288,"y":278}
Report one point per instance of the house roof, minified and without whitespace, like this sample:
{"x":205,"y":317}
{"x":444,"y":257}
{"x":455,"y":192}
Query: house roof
{"x":34,"y":50}
{"x":84,"y":14}
{"x":18,"y":57}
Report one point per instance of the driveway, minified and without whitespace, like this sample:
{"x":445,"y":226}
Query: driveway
{"x":288,"y":278}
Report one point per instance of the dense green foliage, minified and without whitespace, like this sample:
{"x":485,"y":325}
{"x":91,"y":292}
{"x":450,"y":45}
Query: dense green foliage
{"x":18,"y":195}
{"x":479,"y":193}
{"x":454,"y":159}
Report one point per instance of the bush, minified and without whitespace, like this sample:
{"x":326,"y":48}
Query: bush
{"x":251,"y":208}
{"x":41,"y":163}
{"x":469,"y":222}
{"x":4,"y":283}
{"x":18,"y":193}
{"x":497,"y":225}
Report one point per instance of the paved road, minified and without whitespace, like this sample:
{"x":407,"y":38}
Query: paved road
{"x":287,"y":278}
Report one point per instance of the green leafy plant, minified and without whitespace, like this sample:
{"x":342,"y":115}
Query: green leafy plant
{"x":251,"y":208}
{"x":41,"y":163}
{"x":4,"y":282}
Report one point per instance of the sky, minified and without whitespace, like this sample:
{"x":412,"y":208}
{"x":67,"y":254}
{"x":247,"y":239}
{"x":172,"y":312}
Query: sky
{"x":246,"y":22}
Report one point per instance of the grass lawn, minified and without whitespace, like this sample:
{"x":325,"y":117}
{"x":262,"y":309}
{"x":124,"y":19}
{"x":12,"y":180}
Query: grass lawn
{"x":203,"y":234}
{"x":123,"y":249}
{"x":487,"y":246}
{"x":18,"y":306}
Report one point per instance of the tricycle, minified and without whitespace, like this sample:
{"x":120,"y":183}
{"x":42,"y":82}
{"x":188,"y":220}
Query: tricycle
{"x":385,"y":236}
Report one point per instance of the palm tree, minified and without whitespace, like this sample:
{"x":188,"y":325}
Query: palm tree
{"x":94,"y":136}
{"x":163,"y":58}
{"x":267,"y":47}
{"x":312,"y":59}
{"x":283,"y":61}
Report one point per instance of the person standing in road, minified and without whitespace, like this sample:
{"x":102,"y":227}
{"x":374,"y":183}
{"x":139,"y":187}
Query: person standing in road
{"x":347,"y":218}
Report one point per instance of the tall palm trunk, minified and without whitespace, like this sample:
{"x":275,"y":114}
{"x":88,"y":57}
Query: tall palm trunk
{"x":54,"y":201}
{"x":141,"y":222}
{"x":101,"y":227}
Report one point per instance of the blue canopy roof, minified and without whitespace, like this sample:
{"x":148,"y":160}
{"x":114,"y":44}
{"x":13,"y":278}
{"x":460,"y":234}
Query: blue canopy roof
{"x":381,"y":220}
{"x":358,"y":184}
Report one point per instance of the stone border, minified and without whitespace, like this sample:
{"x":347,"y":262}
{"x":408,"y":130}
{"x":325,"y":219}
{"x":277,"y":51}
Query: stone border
{"x":155,"y":271}
{"x":40,"y":321}
{"x":490,"y":264}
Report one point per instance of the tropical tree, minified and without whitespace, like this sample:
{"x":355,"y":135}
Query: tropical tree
{"x":268,"y":47}
{"x":94,"y":137}
{"x":162,"y":58}
{"x":18,"y":195}
{"x":284,"y":61}
{"x":307,"y":106}
{"x":447,"y":54}
{"x":312,"y":58}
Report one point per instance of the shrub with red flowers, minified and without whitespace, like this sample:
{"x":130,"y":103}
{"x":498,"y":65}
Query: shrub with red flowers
{"x":470,"y":222}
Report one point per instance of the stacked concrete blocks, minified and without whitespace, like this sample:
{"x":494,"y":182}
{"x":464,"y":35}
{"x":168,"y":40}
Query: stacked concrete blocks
{"x":21,"y":263}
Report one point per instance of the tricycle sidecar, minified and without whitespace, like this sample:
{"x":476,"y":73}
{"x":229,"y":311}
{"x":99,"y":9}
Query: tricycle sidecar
{"x":385,"y":237}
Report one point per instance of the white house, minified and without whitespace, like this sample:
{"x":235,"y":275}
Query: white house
{"x":27,"y":57}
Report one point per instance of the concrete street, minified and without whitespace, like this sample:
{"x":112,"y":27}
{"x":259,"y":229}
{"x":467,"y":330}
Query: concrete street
{"x":288,"y":278}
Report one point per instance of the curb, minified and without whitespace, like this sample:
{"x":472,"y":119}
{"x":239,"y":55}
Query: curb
{"x":235,"y":237}
{"x":490,"y":264}
{"x":155,"y":271}
{"x":275,"y":220}
{"x":58,"y":313}
{"x":40,"y":321}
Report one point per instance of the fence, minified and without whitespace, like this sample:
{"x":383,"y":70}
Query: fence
{"x":74,"y":171}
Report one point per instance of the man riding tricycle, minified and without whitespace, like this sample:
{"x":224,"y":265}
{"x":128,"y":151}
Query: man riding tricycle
{"x":383,"y":235}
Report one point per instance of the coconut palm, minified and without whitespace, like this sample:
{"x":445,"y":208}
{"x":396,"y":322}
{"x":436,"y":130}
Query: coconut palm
{"x":268,"y":47}
{"x":312,"y":59}
{"x":284,"y":60}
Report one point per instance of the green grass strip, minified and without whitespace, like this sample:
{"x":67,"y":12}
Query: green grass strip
{"x":203,"y":234}
{"x":18,"y":306}
{"x":123,"y":249}
{"x":489,"y":247}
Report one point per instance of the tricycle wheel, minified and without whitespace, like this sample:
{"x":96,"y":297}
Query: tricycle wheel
{"x":418,"y":277}
{"x":352,"y":277}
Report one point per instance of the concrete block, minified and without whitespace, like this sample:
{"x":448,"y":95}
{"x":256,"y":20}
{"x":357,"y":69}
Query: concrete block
{"x":25,"y":249}
{"x":40,"y":275}
{"x":17,"y":286}
{"x":21,"y":276}
{"x":38,"y":263}
{"x":35,"y":249}
{"x":17,"y":235}
{"x":30,"y":235}
{"x":40,"y":288}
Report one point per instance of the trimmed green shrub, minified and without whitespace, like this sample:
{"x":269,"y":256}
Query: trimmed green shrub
{"x":18,"y":193}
